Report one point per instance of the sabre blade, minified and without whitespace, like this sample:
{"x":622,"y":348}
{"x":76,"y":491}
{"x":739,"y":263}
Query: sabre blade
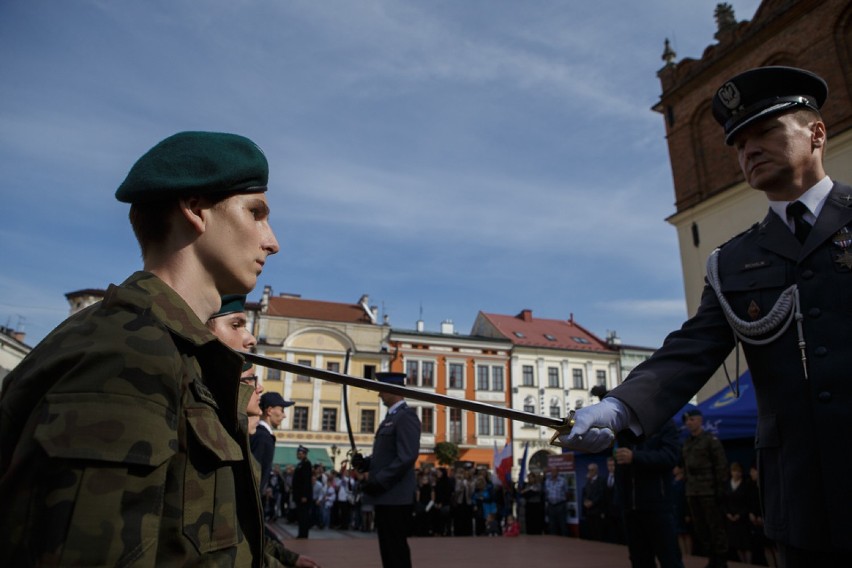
{"x":407,"y":392}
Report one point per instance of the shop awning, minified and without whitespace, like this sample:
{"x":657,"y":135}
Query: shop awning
{"x":286,"y":455}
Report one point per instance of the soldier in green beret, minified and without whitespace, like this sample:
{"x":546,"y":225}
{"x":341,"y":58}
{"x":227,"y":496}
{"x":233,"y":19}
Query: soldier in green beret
{"x":230,"y":325}
{"x":119,"y":434}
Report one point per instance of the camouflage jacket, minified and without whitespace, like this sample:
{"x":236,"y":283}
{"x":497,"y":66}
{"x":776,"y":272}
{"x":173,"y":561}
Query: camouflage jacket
{"x":120,"y":442}
{"x":705,"y":465}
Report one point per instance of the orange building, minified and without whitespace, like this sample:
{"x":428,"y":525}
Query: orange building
{"x":460,"y":366}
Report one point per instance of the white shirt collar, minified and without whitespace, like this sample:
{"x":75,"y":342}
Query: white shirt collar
{"x":395,"y":406}
{"x":814,"y":198}
{"x":265,"y":425}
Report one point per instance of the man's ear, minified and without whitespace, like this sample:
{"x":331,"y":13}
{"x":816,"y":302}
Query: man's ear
{"x":194,"y":209}
{"x":818,"y":134}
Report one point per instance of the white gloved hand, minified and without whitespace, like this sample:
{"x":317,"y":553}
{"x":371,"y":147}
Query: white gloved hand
{"x":595,"y":426}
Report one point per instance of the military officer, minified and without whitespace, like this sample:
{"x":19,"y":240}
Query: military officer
{"x":783,"y":289}
{"x":119,"y":437}
{"x":390,"y":481}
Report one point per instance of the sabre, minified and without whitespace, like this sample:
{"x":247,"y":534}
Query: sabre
{"x":560,"y":425}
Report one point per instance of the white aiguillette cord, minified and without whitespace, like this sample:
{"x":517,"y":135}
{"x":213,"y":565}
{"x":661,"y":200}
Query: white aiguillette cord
{"x":785,"y":310}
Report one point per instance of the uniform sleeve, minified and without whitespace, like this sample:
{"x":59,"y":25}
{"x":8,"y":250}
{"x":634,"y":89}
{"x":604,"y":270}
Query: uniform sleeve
{"x":407,"y":450}
{"x":88,"y":475}
{"x":657,"y":388}
{"x":277,"y":554}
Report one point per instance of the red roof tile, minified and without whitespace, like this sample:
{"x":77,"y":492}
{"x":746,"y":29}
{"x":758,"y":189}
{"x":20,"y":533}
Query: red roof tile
{"x":317,"y":310}
{"x":524,"y":329}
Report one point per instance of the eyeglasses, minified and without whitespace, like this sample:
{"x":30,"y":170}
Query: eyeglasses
{"x":250,"y":381}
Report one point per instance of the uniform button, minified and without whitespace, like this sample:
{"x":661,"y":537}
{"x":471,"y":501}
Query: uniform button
{"x":814,"y":312}
{"x":821,"y":351}
{"x":808,"y":274}
{"x":824,"y":396}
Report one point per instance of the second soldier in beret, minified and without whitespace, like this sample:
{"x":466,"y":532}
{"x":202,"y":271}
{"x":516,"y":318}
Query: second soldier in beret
{"x":119,"y":440}
{"x":783,"y":291}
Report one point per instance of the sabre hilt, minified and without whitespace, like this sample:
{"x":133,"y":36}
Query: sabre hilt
{"x":562,"y":429}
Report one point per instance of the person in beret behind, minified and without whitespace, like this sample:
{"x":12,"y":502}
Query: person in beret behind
{"x":783,"y":291}
{"x":229,"y":325}
{"x":120,"y":441}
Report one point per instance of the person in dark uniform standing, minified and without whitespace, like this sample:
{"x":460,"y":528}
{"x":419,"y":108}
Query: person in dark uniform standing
{"x":390,"y":481}
{"x":303,"y":491}
{"x":783,"y":289}
{"x":272,"y":406}
{"x":706,"y":469}
{"x":643,"y":493}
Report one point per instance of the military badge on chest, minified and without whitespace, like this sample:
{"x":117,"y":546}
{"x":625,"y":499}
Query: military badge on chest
{"x":840,"y":253}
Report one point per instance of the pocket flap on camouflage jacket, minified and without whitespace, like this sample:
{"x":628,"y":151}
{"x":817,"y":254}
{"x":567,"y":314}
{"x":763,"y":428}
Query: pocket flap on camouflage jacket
{"x":212,"y":435}
{"x":106,"y":427}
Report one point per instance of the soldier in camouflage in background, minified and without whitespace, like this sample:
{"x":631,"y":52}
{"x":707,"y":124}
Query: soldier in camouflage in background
{"x":119,"y":437}
{"x":706,"y":468}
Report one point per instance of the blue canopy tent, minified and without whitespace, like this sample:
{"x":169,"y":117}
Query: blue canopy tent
{"x":729,"y":417}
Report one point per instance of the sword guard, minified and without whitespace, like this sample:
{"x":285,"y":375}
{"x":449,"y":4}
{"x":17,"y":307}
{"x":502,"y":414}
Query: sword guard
{"x":564,"y":428}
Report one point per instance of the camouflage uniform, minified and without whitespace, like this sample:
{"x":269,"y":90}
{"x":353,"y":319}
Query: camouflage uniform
{"x":706,"y":470}
{"x":120,"y":442}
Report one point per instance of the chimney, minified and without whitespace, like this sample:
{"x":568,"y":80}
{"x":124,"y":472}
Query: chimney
{"x":612,"y":339}
{"x":525,"y":315}
{"x":364,"y":302}
{"x":447,"y":327}
{"x":420,"y":325}
{"x":264,"y":299}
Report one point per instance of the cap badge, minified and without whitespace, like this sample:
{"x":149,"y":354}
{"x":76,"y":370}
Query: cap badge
{"x":729,"y":94}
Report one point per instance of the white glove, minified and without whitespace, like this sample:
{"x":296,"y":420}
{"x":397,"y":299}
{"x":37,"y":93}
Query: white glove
{"x":595,"y":426}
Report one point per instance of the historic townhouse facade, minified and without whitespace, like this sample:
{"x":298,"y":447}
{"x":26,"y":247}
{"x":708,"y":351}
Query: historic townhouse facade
{"x":553,"y":366}
{"x":329,"y":335}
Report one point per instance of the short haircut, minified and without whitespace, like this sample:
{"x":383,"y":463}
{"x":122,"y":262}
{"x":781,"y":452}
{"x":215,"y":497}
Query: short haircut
{"x":151,"y":222}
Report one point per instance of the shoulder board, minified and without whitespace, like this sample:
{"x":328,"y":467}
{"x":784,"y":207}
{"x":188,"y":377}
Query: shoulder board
{"x":754,"y":228}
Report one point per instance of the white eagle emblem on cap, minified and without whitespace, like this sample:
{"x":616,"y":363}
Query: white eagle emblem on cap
{"x":729,"y":94}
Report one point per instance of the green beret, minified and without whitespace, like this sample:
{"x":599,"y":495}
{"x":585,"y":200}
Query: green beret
{"x":196,"y":163}
{"x":231,"y":303}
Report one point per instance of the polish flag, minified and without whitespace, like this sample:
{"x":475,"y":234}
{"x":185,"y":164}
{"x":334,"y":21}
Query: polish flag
{"x":503,"y":463}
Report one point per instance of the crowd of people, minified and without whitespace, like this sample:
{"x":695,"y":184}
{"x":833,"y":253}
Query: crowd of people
{"x":467,"y":501}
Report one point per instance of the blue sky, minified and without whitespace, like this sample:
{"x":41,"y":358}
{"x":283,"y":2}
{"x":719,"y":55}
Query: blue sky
{"x":443,"y":156}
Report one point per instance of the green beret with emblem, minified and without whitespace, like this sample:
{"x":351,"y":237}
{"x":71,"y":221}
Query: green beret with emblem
{"x":196,"y":163}
{"x":231,"y":303}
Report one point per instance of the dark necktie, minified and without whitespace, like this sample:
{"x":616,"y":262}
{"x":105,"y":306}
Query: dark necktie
{"x":796,"y":211}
